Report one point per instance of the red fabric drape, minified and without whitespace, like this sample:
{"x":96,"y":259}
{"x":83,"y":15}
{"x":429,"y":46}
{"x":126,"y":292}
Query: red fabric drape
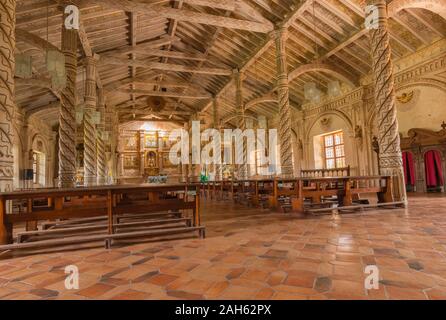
{"x":434,"y":174}
{"x":409,"y":169}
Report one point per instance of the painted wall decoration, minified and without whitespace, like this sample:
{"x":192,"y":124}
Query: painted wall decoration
{"x":131,"y":161}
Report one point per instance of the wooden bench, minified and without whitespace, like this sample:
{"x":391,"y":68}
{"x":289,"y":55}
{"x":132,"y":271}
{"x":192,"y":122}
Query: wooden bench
{"x":106,"y":209}
{"x":341,"y":192}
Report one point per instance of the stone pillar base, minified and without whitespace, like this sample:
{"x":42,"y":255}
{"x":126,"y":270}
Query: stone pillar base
{"x":398,"y":184}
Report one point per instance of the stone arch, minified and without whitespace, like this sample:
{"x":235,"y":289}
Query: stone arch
{"x":427,"y":82}
{"x":436,"y":6}
{"x":44,"y":143}
{"x":269,"y":97}
{"x":327,"y":68}
{"x":338,"y":113}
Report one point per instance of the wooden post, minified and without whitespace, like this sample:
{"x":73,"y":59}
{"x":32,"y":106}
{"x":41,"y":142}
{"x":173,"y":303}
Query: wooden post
{"x":286,"y":156}
{"x":390,"y":157}
{"x":273,"y":202}
{"x":67,"y":115}
{"x":89,"y":129}
{"x":387,"y":195}
{"x":5,"y":228}
{"x":298,"y":202}
{"x":7,"y":67}
{"x":197,"y":217}
{"x":347,"y":199}
{"x":110,"y":205}
{"x":30,"y":225}
{"x":255,"y":199}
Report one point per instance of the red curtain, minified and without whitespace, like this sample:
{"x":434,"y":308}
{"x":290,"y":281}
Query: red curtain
{"x":409,"y":168}
{"x":434,"y":174}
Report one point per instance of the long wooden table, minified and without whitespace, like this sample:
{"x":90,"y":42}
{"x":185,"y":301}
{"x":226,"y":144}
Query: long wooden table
{"x":110,"y":202}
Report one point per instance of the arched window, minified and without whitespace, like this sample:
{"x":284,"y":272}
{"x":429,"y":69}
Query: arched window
{"x":334,"y":150}
{"x":39,"y":168}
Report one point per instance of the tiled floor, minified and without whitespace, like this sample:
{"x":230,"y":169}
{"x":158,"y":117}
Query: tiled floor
{"x":253,"y":254}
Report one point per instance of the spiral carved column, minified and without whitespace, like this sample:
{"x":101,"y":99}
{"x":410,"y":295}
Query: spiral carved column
{"x":185,"y":166}
{"x":216,"y":125}
{"x":286,"y":154}
{"x":390,"y":157}
{"x":7,"y":67}
{"x":101,"y":163}
{"x":90,"y":161}
{"x":67,"y":115}
{"x":242,"y":168}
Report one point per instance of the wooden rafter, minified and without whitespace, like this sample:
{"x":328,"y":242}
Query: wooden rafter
{"x":186,"y":15}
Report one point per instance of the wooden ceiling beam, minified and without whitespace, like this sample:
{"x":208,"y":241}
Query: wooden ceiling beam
{"x":288,"y":20}
{"x":341,"y":14}
{"x":411,"y":29}
{"x":34,"y":40}
{"x":402,"y":42}
{"x":418,"y":15}
{"x":220,"y":4}
{"x":41,"y":82}
{"x":170,"y":54}
{"x":353,"y":6}
{"x":151,"y":93}
{"x":165,"y":66}
{"x":153,"y":44}
{"x":130,"y":118}
{"x":186,"y":15}
{"x":32,"y":111}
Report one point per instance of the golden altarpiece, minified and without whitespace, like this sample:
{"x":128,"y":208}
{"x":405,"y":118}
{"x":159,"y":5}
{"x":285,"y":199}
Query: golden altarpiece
{"x":142,"y":154}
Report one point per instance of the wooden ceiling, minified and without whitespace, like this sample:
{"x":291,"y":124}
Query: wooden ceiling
{"x":187,"y":50}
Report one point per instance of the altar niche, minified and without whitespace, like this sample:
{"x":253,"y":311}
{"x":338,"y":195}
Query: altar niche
{"x":143,"y":154}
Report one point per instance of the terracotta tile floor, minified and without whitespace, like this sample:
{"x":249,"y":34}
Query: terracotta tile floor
{"x":250,"y":253}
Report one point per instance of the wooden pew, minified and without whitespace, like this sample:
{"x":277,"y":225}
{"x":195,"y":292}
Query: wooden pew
{"x":294,"y":194}
{"x":105,"y":205}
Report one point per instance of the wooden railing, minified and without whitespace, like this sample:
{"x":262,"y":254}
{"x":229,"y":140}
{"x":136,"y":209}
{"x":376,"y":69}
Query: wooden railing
{"x":321,"y":173}
{"x":108,"y":202}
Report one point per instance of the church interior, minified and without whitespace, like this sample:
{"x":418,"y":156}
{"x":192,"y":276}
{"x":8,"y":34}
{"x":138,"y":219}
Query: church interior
{"x":349,"y":185}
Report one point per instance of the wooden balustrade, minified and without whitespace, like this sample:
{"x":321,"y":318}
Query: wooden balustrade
{"x":108,"y":204}
{"x":322,"y":173}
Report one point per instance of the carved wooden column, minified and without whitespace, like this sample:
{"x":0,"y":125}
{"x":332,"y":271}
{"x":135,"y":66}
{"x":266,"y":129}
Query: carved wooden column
{"x":7,"y":68}
{"x":67,"y":116}
{"x":286,"y":154}
{"x":90,"y":162}
{"x":216,"y":126}
{"x":390,"y":157}
{"x":101,"y":163}
{"x":185,"y":166}
{"x":242,"y":172}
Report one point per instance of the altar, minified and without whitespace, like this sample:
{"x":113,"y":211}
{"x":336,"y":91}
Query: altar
{"x":143,"y":154}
